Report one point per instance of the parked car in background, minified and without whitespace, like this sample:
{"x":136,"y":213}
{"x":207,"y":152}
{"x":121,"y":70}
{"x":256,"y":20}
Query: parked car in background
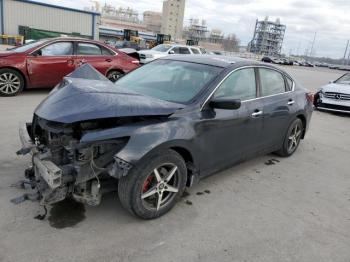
{"x":164,"y":126}
{"x":163,"y":50}
{"x":45,"y":62}
{"x":267,"y":59}
{"x":335,"y":96}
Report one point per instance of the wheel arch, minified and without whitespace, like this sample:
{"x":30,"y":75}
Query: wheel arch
{"x":25,"y":86}
{"x":115,"y":69}
{"x":304,"y":121}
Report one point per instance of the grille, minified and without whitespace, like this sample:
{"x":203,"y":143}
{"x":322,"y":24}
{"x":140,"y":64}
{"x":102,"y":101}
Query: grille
{"x":142,"y":56}
{"x":337,"y":96}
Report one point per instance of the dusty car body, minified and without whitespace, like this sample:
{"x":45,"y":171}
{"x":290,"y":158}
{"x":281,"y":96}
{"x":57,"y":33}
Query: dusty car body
{"x":335,"y":96}
{"x":89,"y":134}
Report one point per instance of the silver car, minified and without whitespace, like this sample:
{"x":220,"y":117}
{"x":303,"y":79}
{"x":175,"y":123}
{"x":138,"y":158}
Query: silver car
{"x":335,"y":96}
{"x":163,"y":50}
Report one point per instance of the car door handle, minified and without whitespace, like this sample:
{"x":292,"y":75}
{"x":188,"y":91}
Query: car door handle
{"x":257,"y":113}
{"x":108,"y":60}
{"x":291,"y":102}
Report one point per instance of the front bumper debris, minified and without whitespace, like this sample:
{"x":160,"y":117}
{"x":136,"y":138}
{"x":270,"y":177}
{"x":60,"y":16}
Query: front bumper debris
{"x":59,"y":171}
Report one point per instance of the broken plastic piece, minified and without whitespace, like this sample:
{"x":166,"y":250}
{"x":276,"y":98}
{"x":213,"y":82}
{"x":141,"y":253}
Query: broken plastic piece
{"x":42,"y":216}
{"x":24,"y":197}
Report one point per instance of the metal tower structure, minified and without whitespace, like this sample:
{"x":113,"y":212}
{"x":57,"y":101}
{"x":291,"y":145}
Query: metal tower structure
{"x":268,"y":38}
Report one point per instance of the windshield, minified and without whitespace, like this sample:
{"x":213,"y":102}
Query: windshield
{"x":345,"y":79}
{"x":169,"y":80}
{"x":161,"y":48}
{"x":28,"y":46}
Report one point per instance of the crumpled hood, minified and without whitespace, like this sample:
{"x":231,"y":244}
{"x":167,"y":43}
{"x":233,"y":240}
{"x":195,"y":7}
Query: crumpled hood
{"x":337,"y":88}
{"x":82,"y":99}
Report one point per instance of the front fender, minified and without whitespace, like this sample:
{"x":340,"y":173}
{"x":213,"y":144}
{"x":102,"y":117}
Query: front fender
{"x":144,"y":139}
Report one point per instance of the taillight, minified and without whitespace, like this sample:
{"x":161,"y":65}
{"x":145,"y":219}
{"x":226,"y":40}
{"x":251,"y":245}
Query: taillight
{"x":310,"y":97}
{"x":135,"y":61}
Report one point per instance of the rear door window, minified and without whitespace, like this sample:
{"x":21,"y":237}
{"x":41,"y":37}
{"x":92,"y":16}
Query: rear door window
{"x":272,"y":82}
{"x":88,"y":49}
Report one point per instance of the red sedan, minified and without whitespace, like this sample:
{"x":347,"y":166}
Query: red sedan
{"x":45,"y":62}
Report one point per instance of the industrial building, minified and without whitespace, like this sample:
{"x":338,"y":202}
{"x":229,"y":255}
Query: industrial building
{"x":268,"y":37}
{"x":19,"y":17}
{"x":121,"y":18}
{"x":173,"y":18}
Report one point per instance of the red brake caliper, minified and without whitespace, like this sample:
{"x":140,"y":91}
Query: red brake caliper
{"x":146,"y":184}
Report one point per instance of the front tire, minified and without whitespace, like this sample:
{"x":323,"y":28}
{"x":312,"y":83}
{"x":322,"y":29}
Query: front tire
{"x":292,"y":138}
{"x":154,"y":186}
{"x":11,"y":82}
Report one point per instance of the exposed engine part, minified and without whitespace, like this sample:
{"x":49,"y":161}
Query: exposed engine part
{"x":119,"y":168}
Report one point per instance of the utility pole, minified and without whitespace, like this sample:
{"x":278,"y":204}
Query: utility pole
{"x":346,"y":50}
{"x":313,"y":43}
{"x":298,"y":48}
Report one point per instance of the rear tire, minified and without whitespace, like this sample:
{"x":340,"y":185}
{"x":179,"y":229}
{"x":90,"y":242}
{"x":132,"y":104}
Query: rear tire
{"x":11,"y":82}
{"x":113,"y":76}
{"x":149,"y":194}
{"x":292,"y":138}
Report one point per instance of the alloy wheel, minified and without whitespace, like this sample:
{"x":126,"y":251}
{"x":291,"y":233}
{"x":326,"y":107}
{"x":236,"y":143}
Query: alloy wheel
{"x":114,"y":76}
{"x":294,"y":138}
{"x":160,"y":187}
{"x":9,"y":83}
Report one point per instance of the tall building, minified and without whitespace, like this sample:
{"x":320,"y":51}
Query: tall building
{"x":268,"y":37}
{"x":173,"y":18}
{"x":152,"y":21}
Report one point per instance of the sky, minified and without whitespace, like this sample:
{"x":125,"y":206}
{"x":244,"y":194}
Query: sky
{"x":330,"y":19}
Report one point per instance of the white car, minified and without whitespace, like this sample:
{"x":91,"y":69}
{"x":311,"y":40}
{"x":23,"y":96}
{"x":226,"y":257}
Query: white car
{"x":147,"y":56}
{"x":335,"y":96}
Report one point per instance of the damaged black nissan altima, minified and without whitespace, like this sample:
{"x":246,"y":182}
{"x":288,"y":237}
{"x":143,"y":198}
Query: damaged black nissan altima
{"x":159,"y":129}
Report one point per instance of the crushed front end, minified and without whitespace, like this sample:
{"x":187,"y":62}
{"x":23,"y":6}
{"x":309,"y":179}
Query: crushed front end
{"x":63,"y":167}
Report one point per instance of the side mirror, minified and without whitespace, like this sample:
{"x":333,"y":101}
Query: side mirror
{"x":225,"y":103}
{"x":171,"y":52}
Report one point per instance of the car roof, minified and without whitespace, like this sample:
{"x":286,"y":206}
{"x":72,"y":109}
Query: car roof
{"x":215,"y":60}
{"x":180,"y":45}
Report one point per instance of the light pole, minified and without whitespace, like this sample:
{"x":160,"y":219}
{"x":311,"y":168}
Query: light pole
{"x":313,"y":43}
{"x":346,"y":50}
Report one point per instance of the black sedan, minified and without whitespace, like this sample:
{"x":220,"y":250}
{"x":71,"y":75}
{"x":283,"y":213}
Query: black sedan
{"x":159,"y":129}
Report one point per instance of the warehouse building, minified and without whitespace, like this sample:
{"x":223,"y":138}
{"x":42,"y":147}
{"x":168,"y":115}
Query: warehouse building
{"x":38,"y":20}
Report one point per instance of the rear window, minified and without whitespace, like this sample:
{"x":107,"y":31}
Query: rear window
{"x":106,"y":51}
{"x":195,"y":51}
{"x":289,"y":83}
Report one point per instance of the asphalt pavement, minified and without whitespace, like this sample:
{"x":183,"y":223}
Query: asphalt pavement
{"x":267,"y":209}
